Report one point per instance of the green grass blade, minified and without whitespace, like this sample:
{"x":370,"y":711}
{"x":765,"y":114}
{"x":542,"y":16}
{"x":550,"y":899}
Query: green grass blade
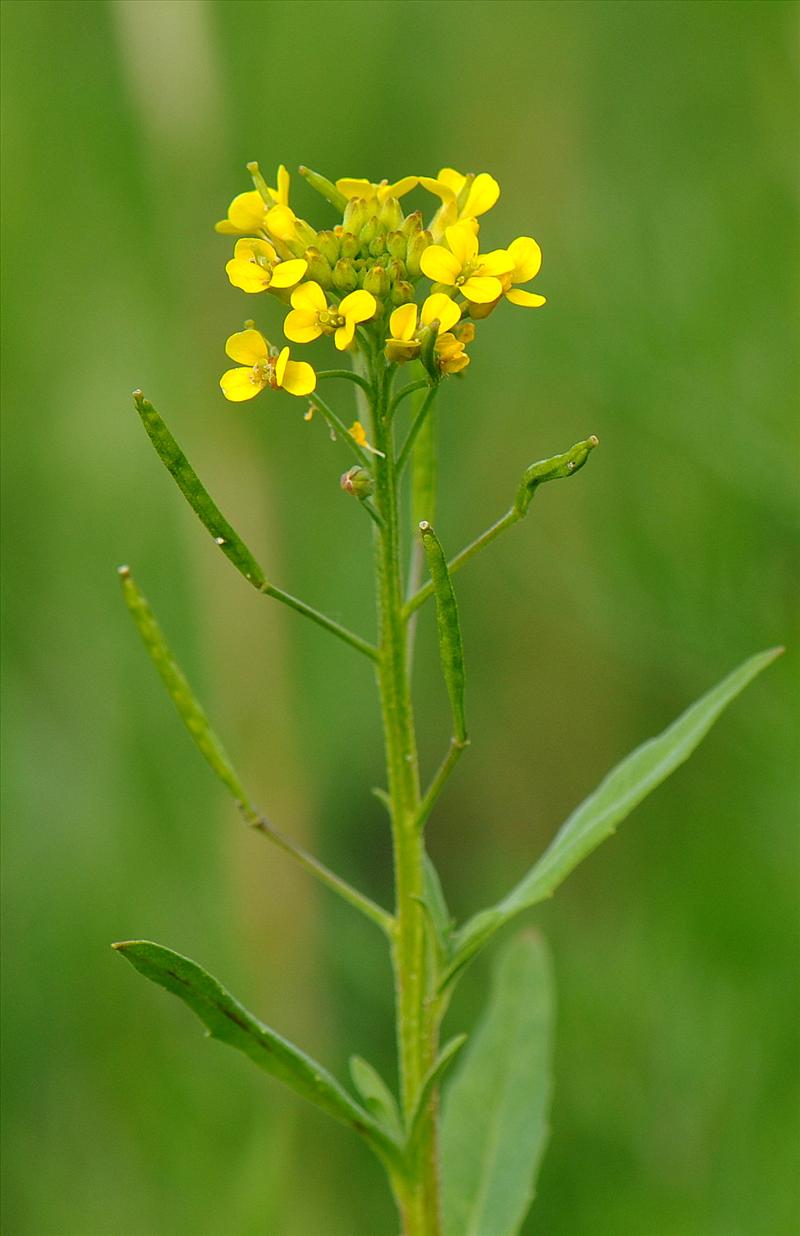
{"x":451,"y":649}
{"x":614,"y":799}
{"x":196,"y":494}
{"x":495,"y":1111}
{"x":181,"y":694}
{"x":227,"y":1020}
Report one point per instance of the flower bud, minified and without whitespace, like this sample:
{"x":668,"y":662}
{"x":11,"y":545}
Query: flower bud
{"x":319,"y":268}
{"x":376,"y":281}
{"x":399,"y":350}
{"x":396,"y":245}
{"x":344,"y":276}
{"x":356,"y":214}
{"x":377,"y":247}
{"x":397,"y":270}
{"x":412,"y":223}
{"x":416,"y":247}
{"x":402,"y":292}
{"x":391,"y":214}
{"x":367,"y":234}
{"x":482,"y":311}
{"x":358,"y":482}
{"x":330,"y":246}
{"x":350,"y":245}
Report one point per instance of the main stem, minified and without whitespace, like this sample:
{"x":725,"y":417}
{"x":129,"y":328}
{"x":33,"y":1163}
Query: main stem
{"x":418,"y":1194}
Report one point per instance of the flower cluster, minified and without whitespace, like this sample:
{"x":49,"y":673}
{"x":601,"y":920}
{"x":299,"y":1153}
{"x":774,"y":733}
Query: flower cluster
{"x":378,"y":280}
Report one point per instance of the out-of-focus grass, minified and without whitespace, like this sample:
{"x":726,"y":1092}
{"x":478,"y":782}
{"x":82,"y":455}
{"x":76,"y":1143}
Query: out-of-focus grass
{"x":649,"y":148}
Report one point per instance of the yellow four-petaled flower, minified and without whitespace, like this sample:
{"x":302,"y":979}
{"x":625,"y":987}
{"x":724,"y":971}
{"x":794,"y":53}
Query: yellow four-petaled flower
{"x":312,"y":316}
{"x":403,"y":342}
{"x":263,"y":366}
{"x":461,"y":267}
{"x":255,"y":267}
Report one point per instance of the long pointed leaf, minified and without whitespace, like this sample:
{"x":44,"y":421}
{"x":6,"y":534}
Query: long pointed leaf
{"x":196,"y":494}
{"x":227,"y":1020}
{"x":191,"y":712}
{"x":451,"y":649}
{"x":430,"y":1081}
{"x":377,"y":1096}
{"x":597,"y":818}
{"x":495,"y":1110}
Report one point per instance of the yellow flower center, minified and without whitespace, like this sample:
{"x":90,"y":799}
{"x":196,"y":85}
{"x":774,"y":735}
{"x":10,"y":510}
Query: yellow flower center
{"x":330,"y":319}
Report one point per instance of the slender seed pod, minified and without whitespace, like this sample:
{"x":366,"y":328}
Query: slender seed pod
{"x":451,"y":650}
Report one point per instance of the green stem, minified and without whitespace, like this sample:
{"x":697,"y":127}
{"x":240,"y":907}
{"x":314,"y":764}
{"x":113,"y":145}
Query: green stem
{"x":416,"y":1036}
{"x":454,"y":753}
{"x":322,"y":620}
{"x":419,"y":421}
{"x":407,"y":390}
{"x":346,"y":373}
{"x":339,"y":427}
{"x":361,"y":902}
{"x":455,"y":564}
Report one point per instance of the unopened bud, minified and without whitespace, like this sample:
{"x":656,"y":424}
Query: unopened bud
{"x":358,"y":482}
{"x":350,"y":245}
{"x":377,"y":247}
{"x":417,"y":245}
{"x":397,"y":270}
{"x":319,"y":268}
{"x":330,"y":246}
{"x":344,"y":276}
{"x":479,"y":312}
{"x":356,"y":214}
{"x":396,"y":244}
{"x":412,"y":223}
{"x":376,"y":281}
{"x":402,"y":292}
{"x":391,"y":214}
{"x":368,"y":233}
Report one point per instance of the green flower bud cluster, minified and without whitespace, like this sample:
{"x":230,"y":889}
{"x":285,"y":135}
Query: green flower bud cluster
{"x":376,"y":247}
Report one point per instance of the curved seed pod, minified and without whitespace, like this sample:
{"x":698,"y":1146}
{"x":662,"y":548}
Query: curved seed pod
{"x":451,"y":651}
{"x":554,"y":469}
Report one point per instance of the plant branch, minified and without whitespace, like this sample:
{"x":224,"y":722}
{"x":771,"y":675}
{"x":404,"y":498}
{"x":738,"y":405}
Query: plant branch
{"x":407,"y":390}
{"x":322,"y":620}
{"x":454,"y":753}
{"x":418,"y":422}
{"x":349,"y":374}
{"x":508,"y":520}
{"x":339,"y":427}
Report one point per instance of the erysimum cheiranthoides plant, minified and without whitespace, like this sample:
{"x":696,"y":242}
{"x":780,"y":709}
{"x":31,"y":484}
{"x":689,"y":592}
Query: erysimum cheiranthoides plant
{"x":400,"y":300}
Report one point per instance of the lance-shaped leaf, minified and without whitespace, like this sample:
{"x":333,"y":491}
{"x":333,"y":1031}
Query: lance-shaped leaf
{"x":554,"y":469}
{"x":451,"y":650}
{"x":598,"y":816}
{"x":196,"y":494}
{"x":179,"y":690}
{"x":495,"y":1110}
{"x":430,"y":1081}
{"x":378,"y":1098}
{"x":227,"y":1020}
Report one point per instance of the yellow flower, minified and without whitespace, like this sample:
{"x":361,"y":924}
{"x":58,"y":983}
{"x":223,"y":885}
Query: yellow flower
{"x":247,"y":210}
{"x":527,"y":261}
{"x":350,"y":188}
{"x":403,"y":343}
{"x":451,"y":356}
{"x":463,"y":268}
{"x":476,"y":194}
{"x":312,"y":316}
{"x":254,"y":267}
{"x":264,"y":366}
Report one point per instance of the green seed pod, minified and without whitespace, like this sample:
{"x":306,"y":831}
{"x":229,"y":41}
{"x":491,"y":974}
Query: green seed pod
{"x":557,"y":468}
{"x":391,"y":214}
{"x":412,"y":223}
{"x":416,"y":247}
{"x":350,"y":246}
{"x":451,"y":651}
{"x":344,"y":276}
{"x":330,"y":246}
{"x":319,"y":268}
{"x":376,"y":281}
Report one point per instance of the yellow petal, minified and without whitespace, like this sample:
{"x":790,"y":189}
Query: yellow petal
{"x":463,"y":242}
{"x":452,"y":179}
{"x":298,"y":378}
{"x":248,"y":347}
{"x":248,"y":276}
{"x":227,"y":228}
{"x":343,"y":337}
{"x":483,"y":289}
{"x":282,"y":192}
{"x":350,"y":187}
{"x":358,"y":433}
{"x":309,"y":296}
{"x":280,"y":365}
{"x":399,"y":189}
{"x":301,"y":326}
{"x":438,"y":187}
{"x":287,"y":274}
{"x":246,"y":212}
{"x":359,"y":306}
{"x":518,"y":296}
{"x":440,"y":264}
{"x":440,"y":306}
{"x":250,"y":247}
{"x":498,"y":262}
{"x":240,"y":384}
{"x":280,"y":221}
{"x":403,"y":322}
{"x":527,"y":258}
{"x":483,"y":193}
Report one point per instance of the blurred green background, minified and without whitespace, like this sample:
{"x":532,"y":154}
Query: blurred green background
{"x":650,"y":148}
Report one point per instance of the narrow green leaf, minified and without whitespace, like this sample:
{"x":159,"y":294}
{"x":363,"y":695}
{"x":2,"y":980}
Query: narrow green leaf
{"x":451,"y":650}
{"x":192,"y":714}
{"x":614,"y":799}
{"x":430,"y":1081}
{"x":229,"y":1022}
{"x":434,"y":902}
{"x":196,"y":495}
{"x":495,"y":1117}
{"x":557,"y":468}
{"x":378,"y":1098}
